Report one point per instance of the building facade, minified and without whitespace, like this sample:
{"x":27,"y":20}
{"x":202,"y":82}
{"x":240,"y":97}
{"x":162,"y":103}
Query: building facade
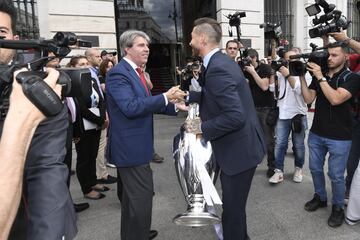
{"x":92,"y":21}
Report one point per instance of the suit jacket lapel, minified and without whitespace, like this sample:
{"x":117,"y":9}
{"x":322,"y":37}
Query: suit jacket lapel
{"x":135,"y":77}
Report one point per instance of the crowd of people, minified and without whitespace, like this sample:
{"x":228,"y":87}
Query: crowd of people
{"x":243,"y":102}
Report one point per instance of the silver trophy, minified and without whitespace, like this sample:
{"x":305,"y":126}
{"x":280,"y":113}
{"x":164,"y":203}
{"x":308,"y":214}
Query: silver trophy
{"x":192,"y":154}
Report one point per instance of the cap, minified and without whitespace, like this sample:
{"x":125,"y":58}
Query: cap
{"x":104,"y":52}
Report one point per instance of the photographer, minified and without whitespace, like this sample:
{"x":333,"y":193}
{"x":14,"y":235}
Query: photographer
{"x":331,"y":129}
{"x":259,"y":76}
{"x":19,"y":127}
{"x":49,"y":210}
{"x":292,"y":118}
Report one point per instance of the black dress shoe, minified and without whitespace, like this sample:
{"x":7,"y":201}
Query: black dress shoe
{"x":157,"y":158}
{"x":79,"y":207}
{"x":315,"y":203}
{"x":337,"y":216}
{"x":109,"y":180}
{"x":103,"y":189}
{"x":153,"y":234}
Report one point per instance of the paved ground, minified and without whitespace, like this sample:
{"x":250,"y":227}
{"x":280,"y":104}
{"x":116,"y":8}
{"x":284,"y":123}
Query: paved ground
{"x":274,"y":212}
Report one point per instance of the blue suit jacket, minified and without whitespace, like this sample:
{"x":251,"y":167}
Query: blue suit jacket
{"x":130,"y":137}
{"x":228,"y":115}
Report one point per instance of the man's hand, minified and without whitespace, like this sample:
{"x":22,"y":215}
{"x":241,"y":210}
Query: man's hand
{"x":315,"y":69}
{"x":284,"y":71}
{"x":22,"y":106}
{"x":174,"y":94}
{"x":193,"y":126}
{"x":182,"y":106}
{"x":339,"y":36}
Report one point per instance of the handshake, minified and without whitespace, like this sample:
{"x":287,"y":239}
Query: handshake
{"x":175,"y":95}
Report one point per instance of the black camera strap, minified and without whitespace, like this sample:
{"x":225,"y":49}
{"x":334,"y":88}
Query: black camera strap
{"x":39,"y":93}
{"x":277,"y":89}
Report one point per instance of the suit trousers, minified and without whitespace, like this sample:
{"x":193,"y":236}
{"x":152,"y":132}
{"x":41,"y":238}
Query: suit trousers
{"x":136,"y":204}
{"x":87,"y":150}
{"x":235,"y":190}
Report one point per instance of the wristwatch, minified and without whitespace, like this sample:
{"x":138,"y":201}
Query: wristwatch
{"x":323,"y":79}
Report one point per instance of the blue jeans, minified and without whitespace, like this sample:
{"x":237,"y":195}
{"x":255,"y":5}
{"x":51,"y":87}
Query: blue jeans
{"x":283,"y":129}
{"x":338,"y":156}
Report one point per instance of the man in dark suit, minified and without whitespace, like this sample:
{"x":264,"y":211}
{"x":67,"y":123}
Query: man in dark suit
{"x":229,"y":122}
{"x":130,"y":141}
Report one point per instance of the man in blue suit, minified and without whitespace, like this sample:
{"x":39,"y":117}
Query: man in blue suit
{"x":130,"y":107}
{"x":229,"y":122}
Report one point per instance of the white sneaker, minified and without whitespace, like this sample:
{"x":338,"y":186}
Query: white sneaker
{"x":298,"y":175}
{"x":277,"y":177}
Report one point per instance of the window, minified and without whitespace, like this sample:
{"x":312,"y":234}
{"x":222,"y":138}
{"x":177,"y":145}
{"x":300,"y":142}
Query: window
{"x":276,"y":11}
{"x":354,"y":16}
{"x":27,"y":20}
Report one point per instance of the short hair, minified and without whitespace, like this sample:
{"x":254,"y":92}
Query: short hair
{"x":342,"y":45}
{"x":7,"y":7}
{"x":252,"y":53}
{"x":233,"y":41}
{"x":127,"y":39}
{"x":210,"y":27}
{"x":75,"y":60}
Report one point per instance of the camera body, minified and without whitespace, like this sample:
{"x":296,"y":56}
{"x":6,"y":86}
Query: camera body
{"x":331,"y":21}
{"x":244,"y":62}
{"x":298,"y":68}
{"x":187,"y":72}
{"x":276,"y":65}
{"x":272,"y":30}
{"x":235,"y":19}
{"x":75,"y":82}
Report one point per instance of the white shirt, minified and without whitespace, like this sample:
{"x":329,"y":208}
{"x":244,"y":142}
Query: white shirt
{"x":134,"y":66}
{"x":293,"y":102}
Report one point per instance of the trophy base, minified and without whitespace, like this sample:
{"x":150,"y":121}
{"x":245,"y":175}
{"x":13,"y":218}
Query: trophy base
{"x":192,"y":219}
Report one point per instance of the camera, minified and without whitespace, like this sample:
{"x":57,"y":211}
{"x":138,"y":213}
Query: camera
{"x":272,"y":30}
{"x":75,"y":82}
{"x":338,"y":21}
{"x":235,"y":21}
{"x":276,"y":65}
{"x":244,"y":62}
{"x":187,"y":72}
{"x":318,"y":56}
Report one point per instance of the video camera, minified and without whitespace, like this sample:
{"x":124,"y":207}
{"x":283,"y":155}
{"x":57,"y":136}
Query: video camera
{"x":338,"y":21}
{"x":75,"y":82}
{"x":318,"y":56}
{"x":244,"y":59}
{"x":276,"y":65}
{"x":235,"y":21}
{"x":272,"y":30}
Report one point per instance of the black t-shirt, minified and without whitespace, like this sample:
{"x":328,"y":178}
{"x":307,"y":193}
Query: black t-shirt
{"x":261,"y":98}
{"x":334,"y":122}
